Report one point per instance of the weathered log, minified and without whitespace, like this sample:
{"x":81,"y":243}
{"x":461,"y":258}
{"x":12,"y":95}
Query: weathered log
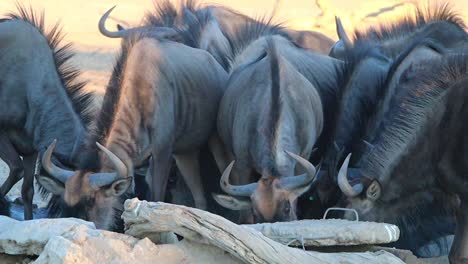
{"x":330,"y":232}
{"x":30,"y":237}
{"x":88,"y":246}
{"x":143,"y":218}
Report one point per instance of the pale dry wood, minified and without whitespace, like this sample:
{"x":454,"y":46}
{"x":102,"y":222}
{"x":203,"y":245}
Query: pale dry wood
{"x":329,"y":232}
{"x":143,"y":218}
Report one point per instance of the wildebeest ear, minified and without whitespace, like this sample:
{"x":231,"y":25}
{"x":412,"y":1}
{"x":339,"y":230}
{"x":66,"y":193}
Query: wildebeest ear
{"x":232,"y":203}
{"x":119,"y":187}
{"x":51,"y":185}
{"x":374,"y":191}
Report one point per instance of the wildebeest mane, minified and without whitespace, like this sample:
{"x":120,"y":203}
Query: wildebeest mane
{"x":105,"y":116}
{"x":412,"y":22}
{"x":164,"y":15}
{"x":188,"y":19}
{"x":386,"y":91}
{"x":412,"y":107}
{"x":253,"y":30}
{"x":62,"y":53}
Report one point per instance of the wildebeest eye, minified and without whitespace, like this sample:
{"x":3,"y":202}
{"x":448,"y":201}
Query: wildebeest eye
{"x":287,"y":209}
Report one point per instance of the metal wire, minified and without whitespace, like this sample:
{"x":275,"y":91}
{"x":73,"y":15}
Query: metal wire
{"x":341,"y":209}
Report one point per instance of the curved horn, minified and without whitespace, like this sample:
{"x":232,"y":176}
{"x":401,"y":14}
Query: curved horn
{"x":342,"y":33}
{"x":294,"y":182}
{"x":162,"y":32}
{"x":102,"y":179}
{"x":343,"y":183}
{"x":111,"y":34}
{"x":240,"y":190}
{"x":58,"y":173}
{"x":119,"y":166}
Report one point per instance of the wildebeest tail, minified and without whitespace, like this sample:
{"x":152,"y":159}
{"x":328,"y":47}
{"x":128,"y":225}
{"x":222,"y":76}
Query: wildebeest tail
{"x":275,"y":107}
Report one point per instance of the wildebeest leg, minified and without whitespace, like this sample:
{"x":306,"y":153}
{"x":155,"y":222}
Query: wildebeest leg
{"x":189,"y":167}
{"x":459,"y":250}
{"x":9,"y":155}
{"x":158,"y":174}
{"x":27,"y":189}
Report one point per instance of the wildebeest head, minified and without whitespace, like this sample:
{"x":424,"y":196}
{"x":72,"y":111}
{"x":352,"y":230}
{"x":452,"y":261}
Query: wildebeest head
{"x":92,"y":196}
{"x":271,"y":199}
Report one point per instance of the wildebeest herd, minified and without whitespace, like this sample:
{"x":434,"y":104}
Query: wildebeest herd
{"x":385,"y":115}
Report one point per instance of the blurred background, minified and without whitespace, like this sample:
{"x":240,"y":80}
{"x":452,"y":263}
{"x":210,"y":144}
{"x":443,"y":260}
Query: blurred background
{"x":79,"y":19}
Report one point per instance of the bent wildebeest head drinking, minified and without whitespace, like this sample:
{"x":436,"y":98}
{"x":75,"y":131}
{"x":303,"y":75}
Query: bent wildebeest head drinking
{"x":41,"y":99}
{"x":163,"y":95}
{"x":416,"y":170}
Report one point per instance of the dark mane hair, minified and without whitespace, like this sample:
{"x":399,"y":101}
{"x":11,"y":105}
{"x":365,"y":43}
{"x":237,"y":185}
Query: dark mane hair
{"x":62,"y":53}
{"x":253,"y":30}
{"x":105,"y":116}
{"x":164,"y":15}
{"x":415,"y":101}
{"x":412,"y":22}
{"x":188,"y":19}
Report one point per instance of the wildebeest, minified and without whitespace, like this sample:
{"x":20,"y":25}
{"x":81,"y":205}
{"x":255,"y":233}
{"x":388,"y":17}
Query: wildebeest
{"x":270,"y":117}
{"x":162,"y":94}
{"x":417,"y":167}
{"x":40,"y":96}
{"x":392,"y":48}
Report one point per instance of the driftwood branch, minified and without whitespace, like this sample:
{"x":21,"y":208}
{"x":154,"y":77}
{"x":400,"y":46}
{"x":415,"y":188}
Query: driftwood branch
{"x":143,"y":218}
{"x":331,"y":232}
